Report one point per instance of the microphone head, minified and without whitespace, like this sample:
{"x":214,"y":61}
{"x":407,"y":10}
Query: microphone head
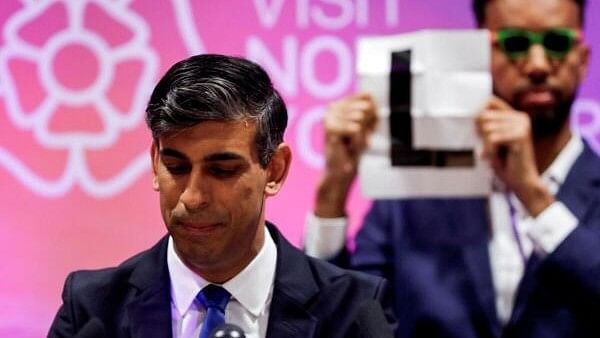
{"x":227,"y":331}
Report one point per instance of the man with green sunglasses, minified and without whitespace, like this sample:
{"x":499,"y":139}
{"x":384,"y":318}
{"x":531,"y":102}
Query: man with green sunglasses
{"x":524,"y":262}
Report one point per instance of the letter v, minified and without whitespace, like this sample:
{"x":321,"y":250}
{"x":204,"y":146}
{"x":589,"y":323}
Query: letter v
{"x":268,"y":14}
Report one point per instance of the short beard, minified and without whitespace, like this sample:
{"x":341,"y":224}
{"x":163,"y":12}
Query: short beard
{"x":548,"y":123}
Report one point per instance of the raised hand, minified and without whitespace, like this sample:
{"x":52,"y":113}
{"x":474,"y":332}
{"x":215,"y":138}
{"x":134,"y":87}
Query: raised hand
{"x":508,"y":145}
{"x":348,"y":123}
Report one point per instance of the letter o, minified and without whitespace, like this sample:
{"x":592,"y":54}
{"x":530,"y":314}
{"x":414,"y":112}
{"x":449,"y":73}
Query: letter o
{"x":344,"y":67}
{"x":310,"y":156}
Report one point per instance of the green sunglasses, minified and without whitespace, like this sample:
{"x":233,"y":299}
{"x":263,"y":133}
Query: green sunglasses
{"x":557,"y":42}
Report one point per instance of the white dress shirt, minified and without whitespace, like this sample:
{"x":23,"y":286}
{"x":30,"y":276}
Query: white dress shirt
{"x":325,"y":237}
{"x":251,"y":292}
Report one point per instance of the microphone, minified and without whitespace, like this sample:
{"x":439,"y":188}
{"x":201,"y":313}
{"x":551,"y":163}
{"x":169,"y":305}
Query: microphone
{"x":92,"y":329}
{"x":227,"y":331}
{"x":370,"y":321}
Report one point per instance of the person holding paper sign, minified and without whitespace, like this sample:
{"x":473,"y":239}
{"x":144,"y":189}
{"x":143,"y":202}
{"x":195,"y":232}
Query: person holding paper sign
{"x":524,"y":262}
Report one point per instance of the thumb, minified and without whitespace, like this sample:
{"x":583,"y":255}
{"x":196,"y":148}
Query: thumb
{"x":496,"y":103}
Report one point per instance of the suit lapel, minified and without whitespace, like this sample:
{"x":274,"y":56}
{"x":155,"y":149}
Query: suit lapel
{"x":477,"y":265}
{"x":294,"y":288}
{"x":287,"y":318}
{"x":526,"y":286}
{"x":581,"y":184}
{"x":149,"y":312}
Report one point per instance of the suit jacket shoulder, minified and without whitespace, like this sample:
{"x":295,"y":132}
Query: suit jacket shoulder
{"x":132,"y":297}
{"x":313,"y":298}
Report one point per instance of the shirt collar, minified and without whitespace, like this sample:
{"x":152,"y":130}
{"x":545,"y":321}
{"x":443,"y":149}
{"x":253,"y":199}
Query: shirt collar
{"x":557,"y":172}
{"x":251,"y":287}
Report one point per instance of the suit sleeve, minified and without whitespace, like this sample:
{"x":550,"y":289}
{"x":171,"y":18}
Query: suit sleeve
{"x":63,"y":324}
{"x":573,"y":270}
{"x":373,"y":252}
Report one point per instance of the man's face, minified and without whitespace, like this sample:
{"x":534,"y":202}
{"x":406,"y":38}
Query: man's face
{"x":536,"y":83}
{"x":212,"y":189}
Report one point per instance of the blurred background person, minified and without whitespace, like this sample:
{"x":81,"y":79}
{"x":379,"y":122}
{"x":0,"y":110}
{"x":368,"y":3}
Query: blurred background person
{"x":523,"y":262}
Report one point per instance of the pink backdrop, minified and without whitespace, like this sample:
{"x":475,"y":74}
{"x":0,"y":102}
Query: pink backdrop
{"x":74,"y":80}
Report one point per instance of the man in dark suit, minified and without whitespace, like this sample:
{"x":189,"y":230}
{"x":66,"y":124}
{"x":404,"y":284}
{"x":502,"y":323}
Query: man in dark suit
{"x":522,"y":263}
{"x":218,"y":153}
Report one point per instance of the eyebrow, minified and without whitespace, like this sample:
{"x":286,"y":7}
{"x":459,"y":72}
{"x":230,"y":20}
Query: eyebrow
{"x":172,"y":153}
{"x":224,"y":156}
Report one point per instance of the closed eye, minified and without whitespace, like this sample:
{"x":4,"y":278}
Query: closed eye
{"x":178,"y":169}
{"x":175,"y":162}
{"x":224,"y":172}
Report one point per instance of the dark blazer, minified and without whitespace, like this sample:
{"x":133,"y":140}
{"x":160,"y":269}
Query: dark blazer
{"x":311,"y":298}
{"x":435,"y":254}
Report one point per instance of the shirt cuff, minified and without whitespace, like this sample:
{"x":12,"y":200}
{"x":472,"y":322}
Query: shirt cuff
{"x":324,"y":237}
{"x":551,"y":227}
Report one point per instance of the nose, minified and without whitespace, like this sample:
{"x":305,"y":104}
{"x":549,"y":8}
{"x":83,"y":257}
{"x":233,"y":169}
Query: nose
{"x":195,"y":195}
{"x":537,"y":65}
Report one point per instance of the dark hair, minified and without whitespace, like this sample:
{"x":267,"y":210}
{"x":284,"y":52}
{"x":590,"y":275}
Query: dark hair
{"x":214,"y":87}
{"x":479,"y":10}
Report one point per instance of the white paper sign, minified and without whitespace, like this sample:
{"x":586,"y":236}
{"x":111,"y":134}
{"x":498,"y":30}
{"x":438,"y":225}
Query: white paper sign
{"x":427,"y":85}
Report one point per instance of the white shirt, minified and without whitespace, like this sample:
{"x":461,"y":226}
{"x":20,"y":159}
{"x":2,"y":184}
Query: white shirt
{"x":251,"y":292}
{"x":325,"y":237}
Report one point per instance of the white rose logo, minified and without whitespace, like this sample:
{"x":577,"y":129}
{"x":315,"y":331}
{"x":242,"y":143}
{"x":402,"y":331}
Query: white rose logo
{"x":58,"y":67}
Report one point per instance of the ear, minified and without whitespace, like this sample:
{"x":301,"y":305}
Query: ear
{"x":584,"y":57}
{"x":277,"y":169}
{"x":154,"y":157}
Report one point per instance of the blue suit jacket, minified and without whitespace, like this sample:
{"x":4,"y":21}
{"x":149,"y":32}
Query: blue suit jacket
{"x":435,"y":254}
{"x":311,"y":298}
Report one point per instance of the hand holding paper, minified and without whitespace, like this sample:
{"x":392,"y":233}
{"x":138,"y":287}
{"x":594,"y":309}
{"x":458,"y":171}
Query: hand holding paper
{"x":507,"y":144}
{"x":348,"y":124}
